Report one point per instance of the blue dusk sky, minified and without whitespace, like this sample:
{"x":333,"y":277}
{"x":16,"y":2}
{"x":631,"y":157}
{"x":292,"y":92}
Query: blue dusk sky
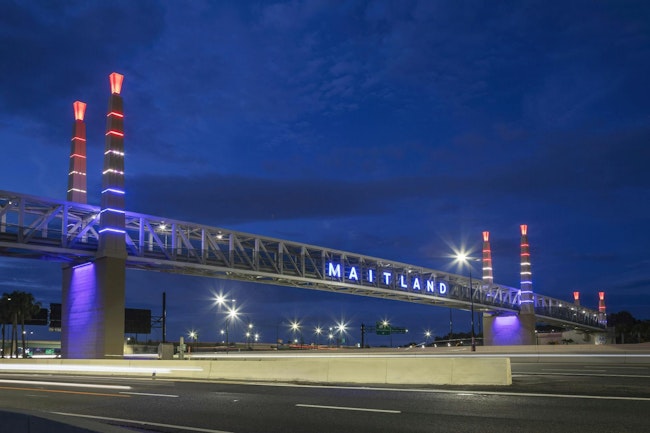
{"x":396,"y":129}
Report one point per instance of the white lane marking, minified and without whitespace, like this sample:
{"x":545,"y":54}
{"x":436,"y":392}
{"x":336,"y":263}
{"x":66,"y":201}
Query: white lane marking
{"x":523,"y":373}
{"x":93,"y":368}
{"x":142,"y":423}
{"x":361,"y":409}
{"x":71,"y":384}
{"x":449,"y":391}
{"x":148,"y":394}
{"x":583,"y":370}
{"x":627,"y":368}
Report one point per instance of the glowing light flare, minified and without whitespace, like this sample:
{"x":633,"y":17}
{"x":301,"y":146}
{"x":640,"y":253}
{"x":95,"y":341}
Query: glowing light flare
{"x":117,"y":133}
{"x":77,"y":172}
{"x":233,"y":313}
{"x":78,"y":138}
{"x":77,"y":190}
{"x":116,"y":82}
{"x":524,"y":229}
{"x":219,"y":299}
{"x":576,"y":296}
{"x":114,"y":152}
{"x":463,"y":257}
{"x":601,"y":296}
{"x":114,"y":113}
{"x":79,"y":110}
{"x":486,"y":236}
{"x":76,"y":155}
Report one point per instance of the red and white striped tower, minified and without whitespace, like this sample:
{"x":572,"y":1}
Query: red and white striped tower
{"x":488,"y":279}
{"x":112,"y":222}
{"x":526,"y":299}
{"x":92,"y":311}
{"x":602,"y":310}
{"x":77,"y":174}
{"x":576,"y":298}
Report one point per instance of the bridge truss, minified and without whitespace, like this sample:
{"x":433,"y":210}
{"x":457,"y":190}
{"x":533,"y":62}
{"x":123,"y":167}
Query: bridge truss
{"x":46,"y":229}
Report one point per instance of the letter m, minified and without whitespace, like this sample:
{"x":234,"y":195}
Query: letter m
{"x":334,"y":271}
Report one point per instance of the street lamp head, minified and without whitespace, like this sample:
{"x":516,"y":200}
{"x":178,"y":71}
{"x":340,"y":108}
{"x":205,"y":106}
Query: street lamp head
{"x":221,"y":300}
{"x":232,"y":313}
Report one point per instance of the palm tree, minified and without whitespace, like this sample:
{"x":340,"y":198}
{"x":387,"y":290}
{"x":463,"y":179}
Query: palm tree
{"x":5,"y":318}
{"x":22,"y":306}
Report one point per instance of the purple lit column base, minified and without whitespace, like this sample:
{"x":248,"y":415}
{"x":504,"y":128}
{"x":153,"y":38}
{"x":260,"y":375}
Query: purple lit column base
{"x":92,"y":313}
{"x":509,"y":330}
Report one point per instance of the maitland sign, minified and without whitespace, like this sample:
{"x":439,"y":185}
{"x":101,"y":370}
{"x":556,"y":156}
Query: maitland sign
{"x":386,"y":278}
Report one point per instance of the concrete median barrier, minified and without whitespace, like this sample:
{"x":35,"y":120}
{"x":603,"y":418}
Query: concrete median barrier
{"x":393,"y":370}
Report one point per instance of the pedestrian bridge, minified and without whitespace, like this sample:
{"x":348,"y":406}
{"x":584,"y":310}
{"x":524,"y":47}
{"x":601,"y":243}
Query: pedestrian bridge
{"x":46,"y":229}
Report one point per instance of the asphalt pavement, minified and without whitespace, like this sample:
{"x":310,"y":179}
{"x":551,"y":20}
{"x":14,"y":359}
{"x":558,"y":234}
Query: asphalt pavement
{"x":575,"y":396}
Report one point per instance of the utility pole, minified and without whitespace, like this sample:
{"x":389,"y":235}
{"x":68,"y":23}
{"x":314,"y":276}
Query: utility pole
{"x":164,"y":318}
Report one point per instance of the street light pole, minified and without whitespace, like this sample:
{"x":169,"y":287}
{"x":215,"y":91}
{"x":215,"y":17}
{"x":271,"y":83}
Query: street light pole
{"x":227,"y":339}
{"x":471,"y":295}
{"x":462,"y":258}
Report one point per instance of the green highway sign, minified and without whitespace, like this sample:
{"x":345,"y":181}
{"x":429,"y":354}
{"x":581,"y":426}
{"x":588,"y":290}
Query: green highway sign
{"x":386,"y":329}
{"x":382,"y":328}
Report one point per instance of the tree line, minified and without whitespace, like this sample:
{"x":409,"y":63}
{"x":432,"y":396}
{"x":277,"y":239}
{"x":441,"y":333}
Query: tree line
{"x":16,"y":308}
{"x":628,"y":328}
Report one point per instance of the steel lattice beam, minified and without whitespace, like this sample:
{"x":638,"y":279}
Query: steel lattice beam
{"x":33,"y":227}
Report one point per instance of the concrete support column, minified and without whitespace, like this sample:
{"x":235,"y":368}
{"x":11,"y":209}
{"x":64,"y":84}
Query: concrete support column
{"x":92,"y":313}
{"x":509,"y":330}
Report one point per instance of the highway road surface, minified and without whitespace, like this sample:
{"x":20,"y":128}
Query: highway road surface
{"x":545,"y":397}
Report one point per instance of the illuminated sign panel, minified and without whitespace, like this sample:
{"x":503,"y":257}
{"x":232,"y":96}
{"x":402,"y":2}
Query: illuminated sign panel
{"x":386,"y":278}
